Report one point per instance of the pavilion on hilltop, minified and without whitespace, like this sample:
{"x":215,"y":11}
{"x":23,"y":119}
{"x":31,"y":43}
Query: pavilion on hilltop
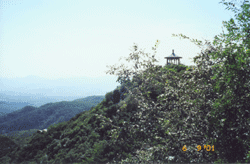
{"x":173,"y":59}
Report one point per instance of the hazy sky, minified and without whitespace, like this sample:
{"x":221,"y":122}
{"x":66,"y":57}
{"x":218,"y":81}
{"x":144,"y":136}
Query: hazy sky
{"x":74,"y":38}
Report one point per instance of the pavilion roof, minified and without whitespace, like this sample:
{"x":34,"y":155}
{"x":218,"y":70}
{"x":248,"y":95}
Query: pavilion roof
{"x":173,"y":55}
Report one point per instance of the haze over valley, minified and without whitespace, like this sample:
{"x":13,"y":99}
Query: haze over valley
{"x":16,"y":93}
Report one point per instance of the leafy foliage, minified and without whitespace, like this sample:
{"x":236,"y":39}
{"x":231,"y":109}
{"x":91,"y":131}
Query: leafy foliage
{"x":6,"y":145}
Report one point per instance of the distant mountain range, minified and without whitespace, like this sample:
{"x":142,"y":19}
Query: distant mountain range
{"x":8,"y":107}
{"x":30,"y":117}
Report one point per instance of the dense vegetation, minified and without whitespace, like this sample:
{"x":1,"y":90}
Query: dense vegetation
{"x":162,"y":113}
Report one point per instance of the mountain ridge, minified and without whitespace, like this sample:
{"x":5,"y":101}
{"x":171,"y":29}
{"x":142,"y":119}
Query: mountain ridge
{"x":30,"y":117}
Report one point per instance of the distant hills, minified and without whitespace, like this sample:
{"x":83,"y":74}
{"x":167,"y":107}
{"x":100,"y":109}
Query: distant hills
{"x":8,"y":107}
{"x":14,"y":100}
{"x":30,"y":117}
{"x":93,"y":100}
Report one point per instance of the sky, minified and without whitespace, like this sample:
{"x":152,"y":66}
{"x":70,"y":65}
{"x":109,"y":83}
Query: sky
{"x":79,"y":38}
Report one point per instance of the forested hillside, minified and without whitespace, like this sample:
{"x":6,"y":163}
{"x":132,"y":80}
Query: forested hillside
{"x":174,"y":113}
{"x":42,"y":117}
